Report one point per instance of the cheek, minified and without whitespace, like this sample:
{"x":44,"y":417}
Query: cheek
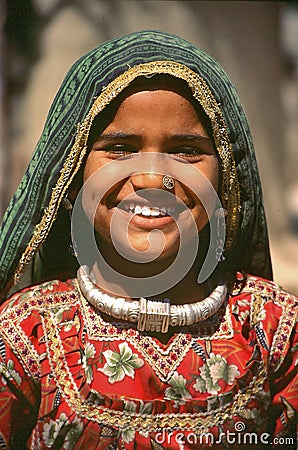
{"x":102,"y":223}
{"x":95,"y":181}
{"x":207,"y":198}
{"x":90,"y":195}
{"x":210,"y":183}
{"x":93,"y":163}
{"x":212,"y":173}
{"x":97,"y":214}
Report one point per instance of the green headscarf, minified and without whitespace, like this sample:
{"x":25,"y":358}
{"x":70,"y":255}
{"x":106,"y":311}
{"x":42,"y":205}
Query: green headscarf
{"x":34,"y":215}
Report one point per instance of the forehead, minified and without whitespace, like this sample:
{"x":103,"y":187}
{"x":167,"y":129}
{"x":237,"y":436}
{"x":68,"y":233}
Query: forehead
{"x":148,"y":103}
{"x":156,"y":82}
{"x":155,"y":114}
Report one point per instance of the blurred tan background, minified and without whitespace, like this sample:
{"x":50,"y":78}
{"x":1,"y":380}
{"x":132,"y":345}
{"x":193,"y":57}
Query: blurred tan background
{"x":256,"y":42}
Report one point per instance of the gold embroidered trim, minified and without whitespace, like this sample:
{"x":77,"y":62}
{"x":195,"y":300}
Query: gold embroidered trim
{"x":256,"y":308}
{"x":200,"y":422}
{"x":201,"y":92}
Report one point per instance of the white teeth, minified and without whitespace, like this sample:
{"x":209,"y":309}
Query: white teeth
{"x":155,"y":212}
{"x":148,"y":211}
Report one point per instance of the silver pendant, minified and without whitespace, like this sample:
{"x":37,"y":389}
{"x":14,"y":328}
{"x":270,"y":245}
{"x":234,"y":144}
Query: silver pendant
{"x":154,"y":315}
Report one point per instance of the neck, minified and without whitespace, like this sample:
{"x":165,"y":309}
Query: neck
{"x":187,"y":290}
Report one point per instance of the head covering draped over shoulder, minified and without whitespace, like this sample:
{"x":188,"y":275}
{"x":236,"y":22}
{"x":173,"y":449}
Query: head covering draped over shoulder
{"x":34,"y":214}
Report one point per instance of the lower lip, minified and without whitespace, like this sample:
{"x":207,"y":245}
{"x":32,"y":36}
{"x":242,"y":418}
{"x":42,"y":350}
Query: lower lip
{"x":147,"y":223}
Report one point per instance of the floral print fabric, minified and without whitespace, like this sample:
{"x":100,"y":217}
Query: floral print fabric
{"x":215,"y":369}
{"x":70,"y":380}
{"x":120,"y":364}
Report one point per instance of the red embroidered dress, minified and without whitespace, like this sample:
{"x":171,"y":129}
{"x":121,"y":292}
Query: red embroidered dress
{"x":70,"y":380}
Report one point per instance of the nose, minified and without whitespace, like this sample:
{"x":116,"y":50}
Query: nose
{"x":147,"y":180}
{"x":150,"y":173}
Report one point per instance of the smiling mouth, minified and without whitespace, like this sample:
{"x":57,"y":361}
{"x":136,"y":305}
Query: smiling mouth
{"x":148,"y":211}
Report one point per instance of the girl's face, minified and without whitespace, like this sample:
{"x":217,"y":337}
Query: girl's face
{"x":159,"y":121}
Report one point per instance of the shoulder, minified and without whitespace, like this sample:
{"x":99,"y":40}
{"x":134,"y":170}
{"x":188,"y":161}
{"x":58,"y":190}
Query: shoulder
{"x":22,"y":317}
{"x":258,"y":290}
{"x":265,"y":295}
{"x":31,"y":302}
{"x":271,"y":311}
{"x":267,"y":288}
{"x":259,"y":296}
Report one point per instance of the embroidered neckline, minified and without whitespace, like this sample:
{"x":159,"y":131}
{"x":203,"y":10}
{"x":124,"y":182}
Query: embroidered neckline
{"x":165,"y":359}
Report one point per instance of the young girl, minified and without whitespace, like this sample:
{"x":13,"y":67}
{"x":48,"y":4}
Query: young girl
{"x":144,"y":317}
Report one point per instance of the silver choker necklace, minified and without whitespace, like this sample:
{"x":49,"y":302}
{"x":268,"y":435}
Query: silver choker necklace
{"x":150,"y":315}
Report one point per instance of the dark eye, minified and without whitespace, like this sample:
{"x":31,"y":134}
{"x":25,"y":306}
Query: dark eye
{"x":189,"y":153}
{"x":118,"y":150}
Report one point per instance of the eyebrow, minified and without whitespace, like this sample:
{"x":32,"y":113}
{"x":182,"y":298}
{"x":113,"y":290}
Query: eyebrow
{"x":130,"y":136}
{"x":117,"y":135}
{"x":190,"y":137}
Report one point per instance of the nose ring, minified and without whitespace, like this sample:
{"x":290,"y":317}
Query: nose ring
{"x":168,"y":182}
